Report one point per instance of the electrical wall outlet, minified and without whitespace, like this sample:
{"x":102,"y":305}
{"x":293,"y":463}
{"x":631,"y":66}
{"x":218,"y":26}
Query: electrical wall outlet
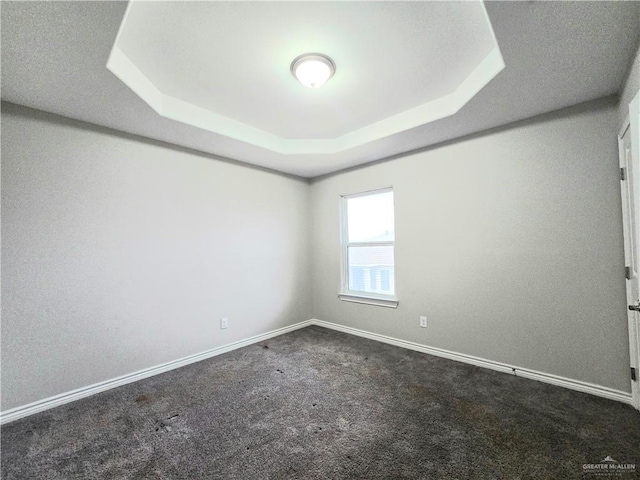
{"x":223,"y":323}
{"x":423,"y":322}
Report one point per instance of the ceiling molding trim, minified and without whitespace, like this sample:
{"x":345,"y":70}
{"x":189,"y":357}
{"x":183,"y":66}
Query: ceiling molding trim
{"x":442,"y":107}
{"x":185,"y":112}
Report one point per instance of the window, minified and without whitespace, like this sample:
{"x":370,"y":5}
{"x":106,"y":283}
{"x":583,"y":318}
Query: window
{"x":368,"y":236}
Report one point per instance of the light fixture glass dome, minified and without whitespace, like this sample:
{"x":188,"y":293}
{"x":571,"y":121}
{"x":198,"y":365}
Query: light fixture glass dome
{"x":313,"y":69}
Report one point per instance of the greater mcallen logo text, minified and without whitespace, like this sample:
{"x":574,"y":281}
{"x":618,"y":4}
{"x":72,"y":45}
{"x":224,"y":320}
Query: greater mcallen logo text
{"x":609,"y":465}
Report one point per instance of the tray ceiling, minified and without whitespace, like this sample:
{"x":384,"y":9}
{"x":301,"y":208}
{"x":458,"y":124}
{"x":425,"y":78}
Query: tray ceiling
{"x":224,"y":67}
{"x":557,"y":54}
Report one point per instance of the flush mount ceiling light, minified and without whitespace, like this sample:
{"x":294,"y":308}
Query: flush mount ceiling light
{"x":313,"y":69}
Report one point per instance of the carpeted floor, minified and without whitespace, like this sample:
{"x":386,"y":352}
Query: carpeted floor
{"x":319,"y":404}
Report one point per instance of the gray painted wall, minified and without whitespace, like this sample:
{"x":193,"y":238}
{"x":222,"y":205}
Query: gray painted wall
{"x":120,"y":254}
{"x":509,"y":241}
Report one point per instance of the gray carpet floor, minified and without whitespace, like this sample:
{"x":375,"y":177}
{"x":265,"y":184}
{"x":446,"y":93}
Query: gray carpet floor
{"x":319,"y":404}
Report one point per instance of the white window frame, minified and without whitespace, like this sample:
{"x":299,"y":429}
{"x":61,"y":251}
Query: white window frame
{"x":345,"y":294}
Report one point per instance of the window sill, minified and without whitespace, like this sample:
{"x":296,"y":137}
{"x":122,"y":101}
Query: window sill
{"x":369,"y":300}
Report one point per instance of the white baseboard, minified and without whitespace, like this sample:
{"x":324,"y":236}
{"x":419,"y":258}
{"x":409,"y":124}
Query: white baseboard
{"x":67,"y":397}
{"x":578,"y":385}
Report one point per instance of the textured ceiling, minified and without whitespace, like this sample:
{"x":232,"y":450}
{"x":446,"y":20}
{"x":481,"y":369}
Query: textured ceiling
{"x":400,"y":65}
{"x":556,"y":54}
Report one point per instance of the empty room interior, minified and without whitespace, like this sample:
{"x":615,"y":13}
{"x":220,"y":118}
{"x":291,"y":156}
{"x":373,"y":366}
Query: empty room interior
{"x":320,"y":240}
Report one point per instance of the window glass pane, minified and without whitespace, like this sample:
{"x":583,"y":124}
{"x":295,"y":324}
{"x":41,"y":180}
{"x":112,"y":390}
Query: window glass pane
{"x":371,"y":269}
{"x":370,"y":218}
